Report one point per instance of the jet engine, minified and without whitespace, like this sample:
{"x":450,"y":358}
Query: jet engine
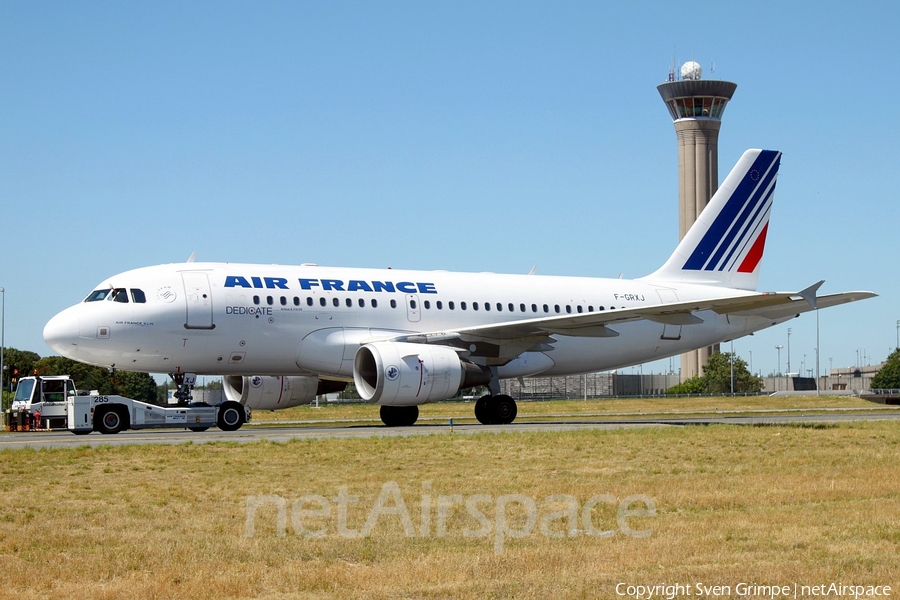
{"x":272,"y":393}
{"x":403,"y":374}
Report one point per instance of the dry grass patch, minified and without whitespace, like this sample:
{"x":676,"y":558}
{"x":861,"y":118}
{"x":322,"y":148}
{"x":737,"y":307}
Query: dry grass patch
{"x":777,"y":505}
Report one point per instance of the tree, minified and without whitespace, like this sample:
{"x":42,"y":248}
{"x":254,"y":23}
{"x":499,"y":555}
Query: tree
{"x":162,"y":392}
{"x":888,"y":377}
{"x":349,"y":393}
{"x":716,"y":378}
{"x":694,"y":385}
{"x":717,"y":375}
{"x":17,"y":360}
{"x":139,"y":386}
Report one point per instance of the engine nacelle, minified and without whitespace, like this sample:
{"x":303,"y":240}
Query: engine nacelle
{"x":273,"y":393}
{"x":403,"y":374}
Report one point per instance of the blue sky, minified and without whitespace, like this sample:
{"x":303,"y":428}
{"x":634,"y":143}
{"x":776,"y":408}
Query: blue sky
{"x":466,"y":136}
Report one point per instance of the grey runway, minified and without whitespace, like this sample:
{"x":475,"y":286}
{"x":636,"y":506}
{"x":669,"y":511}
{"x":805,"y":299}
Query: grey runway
{"x":256,"y":433}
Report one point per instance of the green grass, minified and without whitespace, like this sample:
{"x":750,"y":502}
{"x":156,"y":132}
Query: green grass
{"x":775,"y":504}
{"x":463,"y":412}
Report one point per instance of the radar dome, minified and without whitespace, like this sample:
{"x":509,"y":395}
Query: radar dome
{"x":691,"y":71}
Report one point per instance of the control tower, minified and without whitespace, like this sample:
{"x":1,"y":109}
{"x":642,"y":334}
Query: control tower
{"x":696,"y":107}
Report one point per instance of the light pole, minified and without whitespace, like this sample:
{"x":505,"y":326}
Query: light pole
{"x":751,"y":362}
{"x":898,"y":335}
{"x":778,"y":370}
{"x":817,"y":351}
{"x":642,"y":380}
{"x":789,"y":351}
{"x":731,"y":361}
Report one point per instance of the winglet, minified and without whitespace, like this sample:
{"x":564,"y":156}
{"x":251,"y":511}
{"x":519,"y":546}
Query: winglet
{"x":192,"y":256}
{"x":809,"y":294}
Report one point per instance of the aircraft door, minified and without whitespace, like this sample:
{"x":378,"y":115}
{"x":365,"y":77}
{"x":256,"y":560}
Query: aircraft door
{"x":199,"y":300}
{"x":413,"y":308}
{"x":670,"y":332}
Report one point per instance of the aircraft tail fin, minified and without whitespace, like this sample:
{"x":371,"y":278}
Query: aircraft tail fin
{"x":724,"y":247}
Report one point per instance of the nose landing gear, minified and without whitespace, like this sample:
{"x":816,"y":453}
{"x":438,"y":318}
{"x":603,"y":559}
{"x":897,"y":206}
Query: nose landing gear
{"x":185,"y":383}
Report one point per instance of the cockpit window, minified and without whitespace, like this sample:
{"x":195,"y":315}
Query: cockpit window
{"x":96,"y":296}
{"x":119,"y":295}
{"x":138,"y":296}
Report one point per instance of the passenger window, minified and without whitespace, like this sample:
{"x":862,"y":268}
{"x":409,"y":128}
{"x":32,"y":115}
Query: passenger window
{"x":393,"y":303}
{"x":336,"y":302}
{"x":137,"y":296}
{"x":462,"y":306}
{"x":256,"y":300}
{"x":579,"y":309}
{"x":362,"y":303}
{"x":556,"y":308}
{"x":569,"y":309}
{"x":450,"y":305}
{"x":349,"y":303}
{"x":374,"y":303}
{"x":439,"y":305}
{"x":283,"y":301}
{"x":590,"y":309}
{"x":427,"y":304}
{"x":96,"y":296}
{"x":322,"y":301}
{"x":270,"y":300}
{"x":412,"y":304}
{"x":534,"y":308}
{"x":309,"y":301}
{"x":511,"y":306}
{"x":296,"y":301}
{"x":546,"y":308}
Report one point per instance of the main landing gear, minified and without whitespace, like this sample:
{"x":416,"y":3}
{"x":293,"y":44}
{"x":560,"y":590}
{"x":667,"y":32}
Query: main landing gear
{"x":489,"y":410}
{"x":495,"y":410}
{"x":399,"y":416}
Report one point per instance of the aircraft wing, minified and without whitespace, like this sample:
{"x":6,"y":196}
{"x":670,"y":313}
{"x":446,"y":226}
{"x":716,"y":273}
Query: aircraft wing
{"x":515,"y":337}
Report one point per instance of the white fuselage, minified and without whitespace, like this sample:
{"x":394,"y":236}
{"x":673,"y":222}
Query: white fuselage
{"x":242,"y":319}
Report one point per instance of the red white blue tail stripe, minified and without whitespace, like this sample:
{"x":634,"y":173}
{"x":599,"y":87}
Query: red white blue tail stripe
{"x":725,"y":245}
{"x":737,"y":236}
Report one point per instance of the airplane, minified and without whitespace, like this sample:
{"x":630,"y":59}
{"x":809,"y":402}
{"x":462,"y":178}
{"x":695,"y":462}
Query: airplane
{"x":281,"y":335}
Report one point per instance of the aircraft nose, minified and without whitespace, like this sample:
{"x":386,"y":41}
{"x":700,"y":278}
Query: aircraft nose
{"x":62,"y":331}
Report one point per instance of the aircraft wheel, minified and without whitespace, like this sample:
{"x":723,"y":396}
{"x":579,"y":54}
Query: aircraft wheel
{"x":483,"y":410}
{"x":110,"y":422}
{"x":231,"y":416}
{"x":504,"y":409}
{"x":399,"y":416}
